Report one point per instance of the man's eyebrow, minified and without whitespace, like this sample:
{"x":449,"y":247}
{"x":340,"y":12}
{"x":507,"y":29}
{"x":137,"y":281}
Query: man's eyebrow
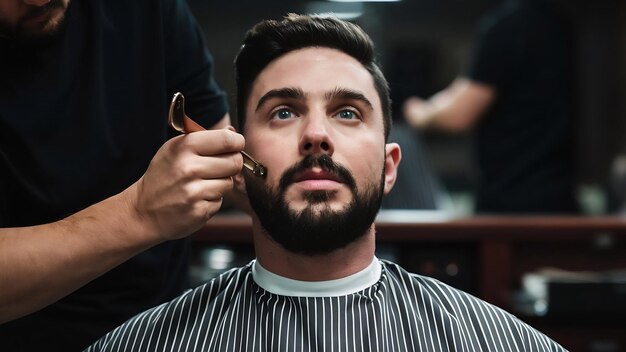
{"x":348,"y":94}
{"x":290,"y":93}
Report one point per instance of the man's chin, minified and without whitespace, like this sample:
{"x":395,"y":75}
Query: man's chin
{"x":317,"y":209}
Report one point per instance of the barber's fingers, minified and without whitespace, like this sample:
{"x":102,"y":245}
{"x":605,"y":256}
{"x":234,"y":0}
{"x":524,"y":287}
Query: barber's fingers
{"x":208,"y":190}
{"x":206,"y":196}
{"x":214,"y":142}
{"x":173,"y":208}
{"x":210,"y":167}
{"x":206,"y":154}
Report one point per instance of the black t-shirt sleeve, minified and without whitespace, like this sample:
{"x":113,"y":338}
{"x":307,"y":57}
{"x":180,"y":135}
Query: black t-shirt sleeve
{"x":494,"y":52}
{"x":189,"y":65}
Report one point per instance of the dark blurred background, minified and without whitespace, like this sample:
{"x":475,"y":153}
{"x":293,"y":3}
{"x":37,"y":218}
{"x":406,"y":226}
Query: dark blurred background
{"x":424,"y":44}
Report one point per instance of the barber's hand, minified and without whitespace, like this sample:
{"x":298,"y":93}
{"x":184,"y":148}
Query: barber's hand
{"x":416,"y":112}
{"x":185,"y":182}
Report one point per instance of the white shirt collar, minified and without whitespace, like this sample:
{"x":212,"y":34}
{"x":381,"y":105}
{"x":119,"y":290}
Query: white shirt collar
{"x":283,"y":286}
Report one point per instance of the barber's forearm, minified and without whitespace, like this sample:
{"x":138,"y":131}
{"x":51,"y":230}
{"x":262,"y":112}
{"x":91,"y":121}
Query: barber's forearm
{"x":454,"y":109}
{"x":179,"y":192}
{"x":41,"y":264}
{"x":446,"y":112}
{"x":461,"y":105}
{"x":433,"y":112}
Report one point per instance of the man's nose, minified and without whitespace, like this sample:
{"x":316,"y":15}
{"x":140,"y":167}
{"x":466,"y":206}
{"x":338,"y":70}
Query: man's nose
{"x":315,"y":137}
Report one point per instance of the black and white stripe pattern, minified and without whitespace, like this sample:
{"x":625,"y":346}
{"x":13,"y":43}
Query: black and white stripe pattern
{"x":401,"y":312}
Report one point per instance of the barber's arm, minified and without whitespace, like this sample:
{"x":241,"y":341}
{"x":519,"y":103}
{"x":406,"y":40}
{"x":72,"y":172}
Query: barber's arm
{"x":454,"y":109}
{"x":180,"y":191}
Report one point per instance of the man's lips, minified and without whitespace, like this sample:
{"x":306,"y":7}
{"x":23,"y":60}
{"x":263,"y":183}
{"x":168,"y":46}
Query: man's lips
{"x":317,"y":180}
{"x":316,"y":175}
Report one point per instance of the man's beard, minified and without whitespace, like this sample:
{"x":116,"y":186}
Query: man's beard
{"x":27,"y":38}
{"x":317,"y":229}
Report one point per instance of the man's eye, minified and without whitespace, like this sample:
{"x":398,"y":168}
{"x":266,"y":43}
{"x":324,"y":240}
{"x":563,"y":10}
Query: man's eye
{"x":282,"y":114}
{"x":347,"y":114}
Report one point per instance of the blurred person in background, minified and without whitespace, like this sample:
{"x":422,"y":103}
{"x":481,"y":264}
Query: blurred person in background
{"x":91,"y":190}
{"x":517,"y":96}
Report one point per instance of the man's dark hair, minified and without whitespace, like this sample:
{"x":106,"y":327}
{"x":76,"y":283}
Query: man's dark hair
{"x":270,"y":39}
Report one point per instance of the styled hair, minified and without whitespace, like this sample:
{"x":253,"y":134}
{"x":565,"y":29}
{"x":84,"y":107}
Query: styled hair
{"x":270,"y":39}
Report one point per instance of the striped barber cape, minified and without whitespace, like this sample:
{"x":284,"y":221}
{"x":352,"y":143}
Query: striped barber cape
{"x":400,"y":312}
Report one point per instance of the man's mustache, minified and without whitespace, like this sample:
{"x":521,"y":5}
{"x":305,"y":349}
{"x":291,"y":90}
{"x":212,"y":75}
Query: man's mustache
{"x":325,"y":162}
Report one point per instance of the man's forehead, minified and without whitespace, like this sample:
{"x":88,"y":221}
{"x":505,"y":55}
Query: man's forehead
{"x":314,"y":71}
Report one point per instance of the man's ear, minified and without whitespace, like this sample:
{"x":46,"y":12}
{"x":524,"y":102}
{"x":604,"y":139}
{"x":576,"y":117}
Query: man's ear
{"x":393,"y":154}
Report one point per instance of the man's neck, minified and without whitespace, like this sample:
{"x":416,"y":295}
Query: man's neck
{"x":336,"y":265}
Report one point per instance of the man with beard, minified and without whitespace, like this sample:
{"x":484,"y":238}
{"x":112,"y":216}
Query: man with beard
{"x":84,"y":91}
{"x":314,"y":108}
